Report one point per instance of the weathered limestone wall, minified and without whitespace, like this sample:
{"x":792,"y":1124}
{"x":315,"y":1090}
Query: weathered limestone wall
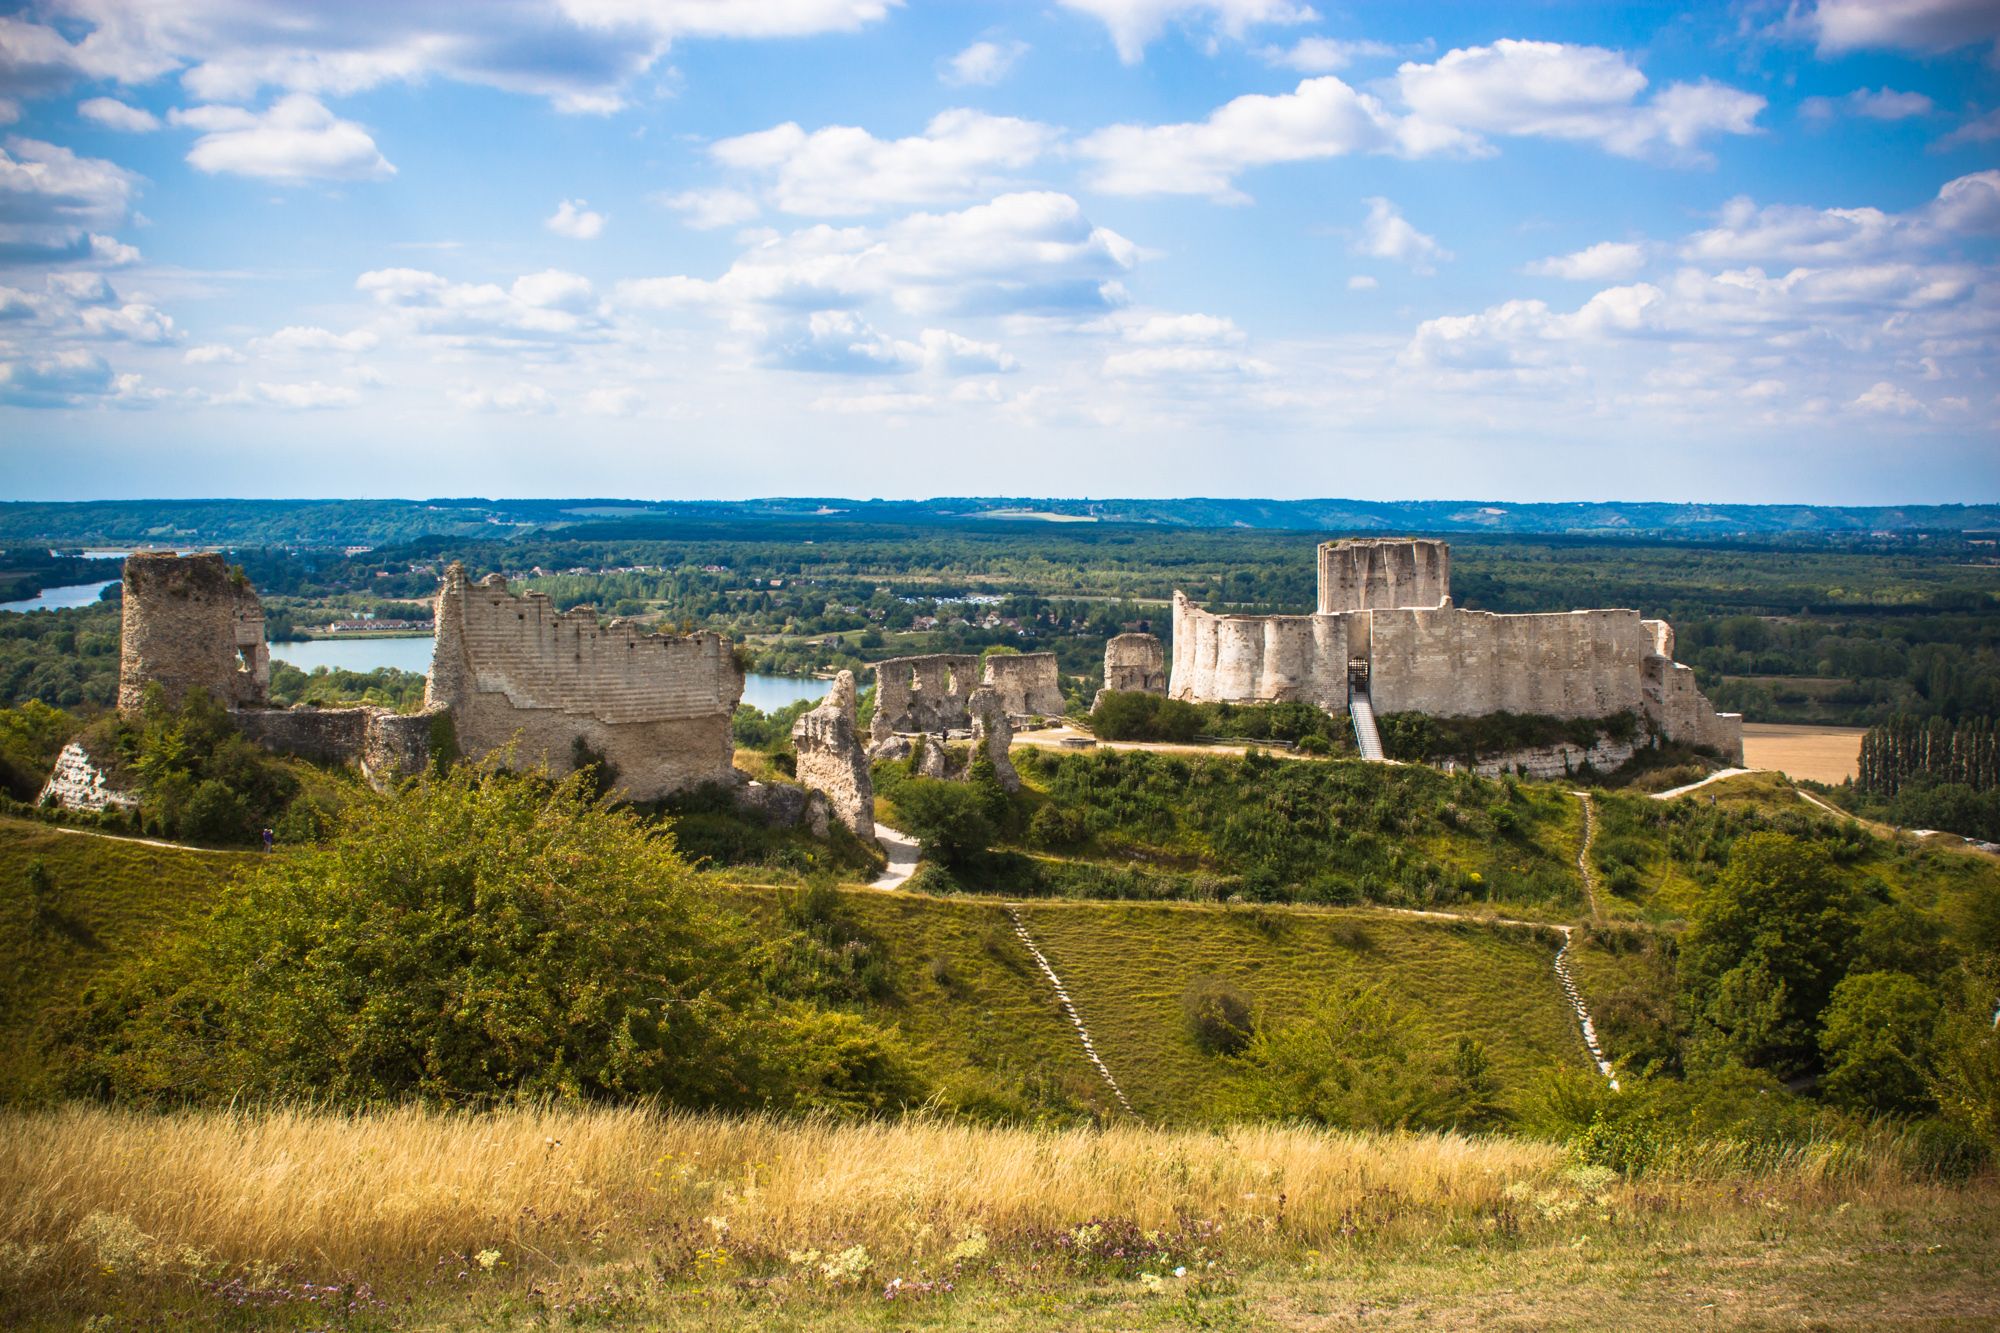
{"x":190,"y":624}
{"x":833,"y":760}
{"x":514,"y":670}
{"x":1453,"y":663}
{"x":1374,"y":573}
{"x":1253,"y":659}
{"x":386,"y":746}
{"x":1135,"y":664}
{"x":1028,"y":683}
{"x":77,"y":783}
{"x":929,"y":693}
{"x":1677,"y":707}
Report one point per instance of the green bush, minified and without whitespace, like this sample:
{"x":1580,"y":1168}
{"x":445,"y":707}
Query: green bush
{"x":949,"y":820}
{"x":484,"y":937}
{"x":1363,"y":1059}
{"x":1219,"y":1015}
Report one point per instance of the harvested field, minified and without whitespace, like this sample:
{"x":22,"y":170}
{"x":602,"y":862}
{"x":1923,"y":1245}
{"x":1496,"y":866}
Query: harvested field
{"x":1818,"y":754}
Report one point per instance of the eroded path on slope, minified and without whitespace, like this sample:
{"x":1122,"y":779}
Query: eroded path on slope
{"x":1069,"y":1010}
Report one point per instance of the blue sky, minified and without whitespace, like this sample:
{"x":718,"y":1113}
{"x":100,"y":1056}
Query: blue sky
{"x":720,"y":248}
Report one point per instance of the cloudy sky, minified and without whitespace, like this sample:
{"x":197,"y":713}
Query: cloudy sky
{"x":719,"y":248}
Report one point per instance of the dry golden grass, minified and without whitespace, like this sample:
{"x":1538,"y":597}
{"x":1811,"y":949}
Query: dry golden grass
{"x":276,"y":1186}
{"x":409,"y":1218}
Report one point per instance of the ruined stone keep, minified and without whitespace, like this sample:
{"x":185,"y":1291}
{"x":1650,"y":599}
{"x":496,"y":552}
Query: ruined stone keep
{"x":1135,"y":664}
{"x":1028,"y":684}
{"x":191,"y":623}
{"x":1386,"y":627}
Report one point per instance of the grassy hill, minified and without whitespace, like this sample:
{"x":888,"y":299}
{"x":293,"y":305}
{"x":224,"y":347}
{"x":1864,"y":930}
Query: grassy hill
{"x":984,"y":1024}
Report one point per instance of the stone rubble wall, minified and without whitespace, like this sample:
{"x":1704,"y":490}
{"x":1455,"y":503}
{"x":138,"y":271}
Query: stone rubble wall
{"x":515,"y":672}
{"x":1375,"y":573}
{"x":1029,"y":685}
{"x":929,"y":693}
{"x":1681,"y":712}
{"x":189,"y":624}
{"x":832,"y":759}
{"x":1544,"y":762}
{"x":386,"y":746}
{"x":77,"y":783}
{"x":1135,"y":664}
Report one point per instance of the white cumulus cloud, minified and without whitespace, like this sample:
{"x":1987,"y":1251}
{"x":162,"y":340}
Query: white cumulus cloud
{"x":116,"y":115}
{"x":842,"y":169}
{"x":982,"y":64}
{"x":1387,"y":234}
{"x":1902,"y":25}
{"x":1555,"y":90}
{"x":295,"y":139}
{"x":1322,"y":118}
{"x":1605,"y":261}
{"x":574,"y":219}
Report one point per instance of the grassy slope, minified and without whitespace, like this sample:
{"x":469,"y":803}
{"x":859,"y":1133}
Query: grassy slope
{"x":113,"y":894}
{"x":984,"y":1024}
{"x":1127,"y":965}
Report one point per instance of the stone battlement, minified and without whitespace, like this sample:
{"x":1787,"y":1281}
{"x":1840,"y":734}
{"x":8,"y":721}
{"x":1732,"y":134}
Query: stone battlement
{"x":514,"y":670}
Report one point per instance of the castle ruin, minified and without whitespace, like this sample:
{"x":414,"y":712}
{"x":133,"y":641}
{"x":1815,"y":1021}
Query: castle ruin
{"x":1386,"y":634}
{"x":513,"y":670}
{"x":190,"y":623}
{"x":508,"y":673}
{"x":833,"y":761}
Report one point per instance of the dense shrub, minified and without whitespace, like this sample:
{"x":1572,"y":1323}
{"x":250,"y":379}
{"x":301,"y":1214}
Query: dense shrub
{"x":484,"y":937}
{"x":949,"y":820}
{"x":1219,"y":1014}
{"x":1363,"y":1059}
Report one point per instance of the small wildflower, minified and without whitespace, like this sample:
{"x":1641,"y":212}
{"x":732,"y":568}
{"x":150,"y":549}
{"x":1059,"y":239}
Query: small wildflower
{"x":487,"y":1259}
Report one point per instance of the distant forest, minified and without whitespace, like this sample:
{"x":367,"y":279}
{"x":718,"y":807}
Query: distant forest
{"x":379,"y":522}
{"x":1852,"y":628}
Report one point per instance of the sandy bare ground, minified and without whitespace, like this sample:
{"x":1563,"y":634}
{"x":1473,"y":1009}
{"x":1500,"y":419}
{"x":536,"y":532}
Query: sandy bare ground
{"x":1820,"y":754}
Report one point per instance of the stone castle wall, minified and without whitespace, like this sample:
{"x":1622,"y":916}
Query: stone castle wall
{"x":514,"y":671}
{"x":1424,"y":655}
{"x":931,"y":693}
{"x":1454,"y":663}
{"x":1372,"y":574}
{"x":1258,"y":659}
{"x":1028,"y":684}
{"x":189,"y":623}
{"x":385,"y":745}
{"x":1135,"y":664}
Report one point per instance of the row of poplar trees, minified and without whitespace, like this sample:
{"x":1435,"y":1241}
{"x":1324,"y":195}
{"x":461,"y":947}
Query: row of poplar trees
{"x":1967,"y":751}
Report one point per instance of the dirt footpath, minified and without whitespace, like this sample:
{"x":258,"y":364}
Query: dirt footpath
{"x":1821,"y":754}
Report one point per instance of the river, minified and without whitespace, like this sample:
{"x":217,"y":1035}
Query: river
{"x":413,"y":653}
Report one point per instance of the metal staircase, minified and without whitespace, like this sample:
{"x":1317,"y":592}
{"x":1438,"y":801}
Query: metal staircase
{"x":1366,"y":738}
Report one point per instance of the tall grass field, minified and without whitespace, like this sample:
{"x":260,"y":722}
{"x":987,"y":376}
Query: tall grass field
{"x":631,"y":1217}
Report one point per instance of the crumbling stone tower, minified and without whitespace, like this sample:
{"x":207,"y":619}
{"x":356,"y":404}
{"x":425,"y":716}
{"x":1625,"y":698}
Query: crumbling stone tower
{"x":191,"y":623}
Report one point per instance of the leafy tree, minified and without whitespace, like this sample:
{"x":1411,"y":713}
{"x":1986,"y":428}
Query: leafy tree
{"x":1764,"y":949}
{"x":485,"y":937}
{"x":1877,"y":1039}
{"x":1965,"y":1078}
{"x":948,"y":819}
{"x":1360,"y":1059}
